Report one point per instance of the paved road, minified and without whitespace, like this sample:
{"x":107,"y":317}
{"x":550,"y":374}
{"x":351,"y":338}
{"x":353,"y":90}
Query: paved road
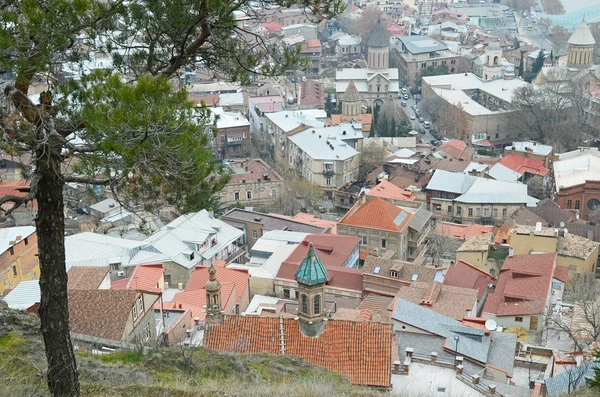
{"x":538,"y":38}
{"x":415,"y":123}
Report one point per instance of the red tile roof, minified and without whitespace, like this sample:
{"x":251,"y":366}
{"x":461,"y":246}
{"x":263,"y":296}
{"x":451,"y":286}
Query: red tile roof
{"x":120,"y":284}
{"x":561,"y":273}
{"x":376,"y":214}
{"x":195,"y":300}
{"x":254,"y":170}
{"x":101,"y":313}
{"x":523,"y":285}
{"x":147,"y":278}
{"x":461,"y":232}
{"x":388,"y":190}
{"x":272,"y":26}
{"x":334,"y":251}
{"x":86,"y":277}
{"x":361,"y":351}
{"x":463,"y":274}
{"x":239,"y":277}
{"x":458,"y":149}
{"x":313,"y":44}
{"x":522,"y":164}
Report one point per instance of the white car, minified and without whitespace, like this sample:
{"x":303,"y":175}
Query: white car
{"x":412,"y":116}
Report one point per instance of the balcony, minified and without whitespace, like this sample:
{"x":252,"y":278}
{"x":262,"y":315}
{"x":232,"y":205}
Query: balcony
{"x":328,"y":171}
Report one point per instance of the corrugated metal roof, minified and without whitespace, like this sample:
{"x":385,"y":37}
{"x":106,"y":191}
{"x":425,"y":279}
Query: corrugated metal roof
{"x":502,"y":173}
{"x":10,"y":234}
{"x":452,"y":182}
{"x":491,"y":191}
{"x":24,"y":295}
{"x":91,"y":249}
{"x":418,"y":222}
{"x":267,"y":245}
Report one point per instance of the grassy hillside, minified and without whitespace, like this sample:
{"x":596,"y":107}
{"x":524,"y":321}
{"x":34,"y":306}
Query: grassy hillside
{"x":173,"y":372}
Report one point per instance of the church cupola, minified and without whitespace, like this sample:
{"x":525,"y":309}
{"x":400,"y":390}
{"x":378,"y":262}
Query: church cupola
{"x":311,"y":277}
{"x":378,"y":48}
{"x":351,"y":101}
{"x":492,"y":62}
{"x":581,"y":47}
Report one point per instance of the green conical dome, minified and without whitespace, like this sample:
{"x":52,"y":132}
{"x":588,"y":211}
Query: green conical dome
{"x":311,"y":271}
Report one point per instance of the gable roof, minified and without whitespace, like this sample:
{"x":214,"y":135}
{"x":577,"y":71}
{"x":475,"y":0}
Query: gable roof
{"x":92,"y":249}
{"x":238,"y":277}
{"x":360,"y":351}
{"x":452,"y":182}
{"x":146,"y":277}
{"x":377,"y":214}
{"x":501,"y":172}
{"x":11,"y":235}
{"x":551,"y":212}
{"x":86,"y":277}
{"x":388,"y":190}
{"x":24,"y":295}
{"x":522,"y":164}
{"x":100,"y":313}
{"x":458,"y":149}
{"x":463,"y":274}
{"x":523,"y":285}
{"x":524,"y":216}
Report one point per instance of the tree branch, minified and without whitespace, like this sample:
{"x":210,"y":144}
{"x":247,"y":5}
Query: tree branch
{"x":20,"y":200}
{"x":88,"y":180}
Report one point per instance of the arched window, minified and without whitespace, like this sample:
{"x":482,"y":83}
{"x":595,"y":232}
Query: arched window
{"x":317,"y":308}
{"x":215,"y":300}
{"x":577,"y":203}
{"x":495,"y":60}
{"x":304,"y":304}
{"x":569,"y":204}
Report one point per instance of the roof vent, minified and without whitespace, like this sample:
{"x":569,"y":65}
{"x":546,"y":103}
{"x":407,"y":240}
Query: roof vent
{"x":286,"y":116}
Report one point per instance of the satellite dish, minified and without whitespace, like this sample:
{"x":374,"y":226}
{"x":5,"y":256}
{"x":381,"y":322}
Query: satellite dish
{"x":562,"y":224}
{"x":491,"y":325}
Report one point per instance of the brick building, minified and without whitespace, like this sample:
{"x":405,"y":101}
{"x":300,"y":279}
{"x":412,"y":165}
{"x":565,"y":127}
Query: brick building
{"x":18,"y":256}
{"x":233,"y":134}
{"x":577,"y":180}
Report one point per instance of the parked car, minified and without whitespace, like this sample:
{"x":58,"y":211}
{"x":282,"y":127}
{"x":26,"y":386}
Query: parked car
{"x":403,"y":104}
{"x":413,"y":107}
{"x":426,"y":125}
{"x":405,"y":96}
{"x":421,"y":120}
{"x":411,"y":116}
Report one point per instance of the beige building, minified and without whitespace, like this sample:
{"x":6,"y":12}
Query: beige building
{"x":328,"y":157}
{"x":477,"y":110}
{"x":253,"y":183}
{"x":461,"y":198}
{"x":576,"y":253}
{"x":384,"y":227}
{"x":475,"y":251}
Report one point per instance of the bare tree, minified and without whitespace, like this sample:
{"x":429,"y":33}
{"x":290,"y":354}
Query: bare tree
{"x":366,"y":23}
{"x":553,"y":111}
{"x":559,"y":39}
{"x":583,"y":328}
{"x":537,"y":188}
{"x":430,"y":108}
{"x":297,"y":195}
{"x":371,"y":156}
{"x":553,"y":7}
{"x":453,"y":122}
{"x":439,"y":246}
{"x":576,"y":374}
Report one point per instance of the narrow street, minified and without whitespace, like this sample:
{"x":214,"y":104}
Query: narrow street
{"x":417,"y":126}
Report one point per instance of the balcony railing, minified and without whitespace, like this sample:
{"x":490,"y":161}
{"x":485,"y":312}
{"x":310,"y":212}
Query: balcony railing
{"x":328,"y":171}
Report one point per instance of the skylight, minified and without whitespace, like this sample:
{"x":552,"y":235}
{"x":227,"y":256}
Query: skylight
{"x":414,"y":277}
{"x":376,"y":270}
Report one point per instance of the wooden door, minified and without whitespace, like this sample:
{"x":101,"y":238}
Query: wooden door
{"x":533,"y":324}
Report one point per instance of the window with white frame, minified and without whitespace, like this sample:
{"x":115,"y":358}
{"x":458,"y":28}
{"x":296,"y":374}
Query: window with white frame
{"x":249,"y":194}
{"x":394,"y":274}
{"x":140,"y":303}
{"x":328,"y":181}
{"x":135,"y":313}
{"x":147,"y":332}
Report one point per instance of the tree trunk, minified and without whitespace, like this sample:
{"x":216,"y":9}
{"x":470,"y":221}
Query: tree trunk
{"x":54,"y":311}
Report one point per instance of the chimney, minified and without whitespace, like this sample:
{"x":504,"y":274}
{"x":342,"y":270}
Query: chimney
{"x":511,"y":252}
{"x":375,"y":252}
{"x":538,"y":226}
{"x":180,"y":286}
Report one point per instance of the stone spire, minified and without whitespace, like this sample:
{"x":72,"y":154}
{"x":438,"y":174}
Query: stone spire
{"x":378,"y":37}
{"x":351,"y":101}
{"x":213,"y":297}
{"x":378,"y":51}
{"x":581,"y":47}
{"x":311,"y":277}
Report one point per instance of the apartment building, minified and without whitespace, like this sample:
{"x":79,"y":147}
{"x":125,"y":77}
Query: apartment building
{"x":233,"y":134}
{"x":253,"y":183}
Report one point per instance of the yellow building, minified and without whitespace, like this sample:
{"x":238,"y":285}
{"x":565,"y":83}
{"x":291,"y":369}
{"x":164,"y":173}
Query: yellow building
{"x":18,"y":256}
{"x":578,"y":254}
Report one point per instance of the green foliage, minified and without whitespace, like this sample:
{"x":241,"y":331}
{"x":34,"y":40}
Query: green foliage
{"x":431,"y":71}
{"x":125,"y":357}
{"x":485,"y":152}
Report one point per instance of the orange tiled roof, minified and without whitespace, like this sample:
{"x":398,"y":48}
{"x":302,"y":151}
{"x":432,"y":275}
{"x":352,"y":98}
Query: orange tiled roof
{"x":309,"y":220}
{"x":195,"y":300}
{"x":146,"y":277}
{"x":361,"y":350}
{"x":388,"y":190}
{"x":239,"y":277}
{"x":462,"y":232}
{"x":376,"y":214}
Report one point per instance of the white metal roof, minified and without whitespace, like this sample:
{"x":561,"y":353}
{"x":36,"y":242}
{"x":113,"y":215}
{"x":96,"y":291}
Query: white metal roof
{"x":502,"y":173}
{"x":582,"y":35}
{"x":229,"y":119}
{"x":489,"y":191}
{"x":575,"y":167}
{"x":453,"y":182}
{"x":349,"y":40}
{"x":91,"y":249}
{"x":255,"y":306}
{"x":535,"y":147}
{"x":105,"y":205}
{"x":314,"y":142}
{"x":10,"y":234}
{"x":499,"y":88}
{"x":288,"y":120}
{"x":24,"y":295}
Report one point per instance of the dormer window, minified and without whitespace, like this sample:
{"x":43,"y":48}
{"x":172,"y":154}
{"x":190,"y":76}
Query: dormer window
{"x":394,"y":274}
{"x":192,"y":256}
